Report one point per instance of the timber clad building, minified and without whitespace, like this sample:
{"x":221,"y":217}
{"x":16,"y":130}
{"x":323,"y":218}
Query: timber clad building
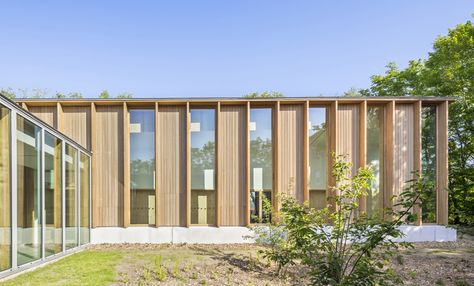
{"x":197,"y":170}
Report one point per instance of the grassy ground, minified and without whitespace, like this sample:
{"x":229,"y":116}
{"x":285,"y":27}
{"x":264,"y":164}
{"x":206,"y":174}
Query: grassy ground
{"x":427,"y":264}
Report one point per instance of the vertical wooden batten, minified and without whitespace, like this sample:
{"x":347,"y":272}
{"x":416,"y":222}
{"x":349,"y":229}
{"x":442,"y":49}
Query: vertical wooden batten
{"x":60,"y":117}
{"x":417,"y":152}
{"x":126,"y":166}
{"x":388,"y":154}
{"x":332,"y":150}
{"x":442,"y":162}
{"x":216,"y":165}
{"x":305,"y":152}
{"x":95,"y":218}
{"x":276,"y":140}
{"x":157,"y":185}
{"x":247,"y":166}
{"x":362,"y":148}
{"x":188,"y":165}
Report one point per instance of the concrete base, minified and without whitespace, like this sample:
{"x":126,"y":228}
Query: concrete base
{"x":215,"y":235}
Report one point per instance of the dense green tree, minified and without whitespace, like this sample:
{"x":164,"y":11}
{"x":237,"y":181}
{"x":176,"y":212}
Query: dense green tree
{"x":448,"y":71}
{"x":104,"y":94}
{"x":125,"y":95}
{"x":8,"y":92}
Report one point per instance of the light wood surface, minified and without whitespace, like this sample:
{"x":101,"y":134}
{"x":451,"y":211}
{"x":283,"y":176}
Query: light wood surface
{"x":48,"y":114}
{"x":76,"y":124}
{"x":442,"y":162}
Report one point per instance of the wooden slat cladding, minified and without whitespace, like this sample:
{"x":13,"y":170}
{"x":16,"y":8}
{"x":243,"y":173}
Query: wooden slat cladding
{"x":290,"y":151}
{"x":347,"y":133}
{"x":109,"y":169}
{"x":231,"y":169}
{"x":403,"y":144}
{"x":77,"y":120}
{"x":171,"y":166}
{"x":442,"y":163}
{"x":46,"y":113}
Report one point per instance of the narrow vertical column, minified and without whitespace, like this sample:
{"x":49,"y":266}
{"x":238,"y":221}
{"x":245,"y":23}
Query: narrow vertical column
{"x":188,"y":165}
{"x":332,"y":150}
{"x":126,"y":166}
{"x":63,"y":193}
{"x":24,"y":106}
{"x":442,"y":162}
{"x":305,"y":152}
{"x":157,"y":157}
{"x":78,"y":197}
{"x":216,"y":165}
{"x":417,"y":152}
{"x":43,"y":207}
{"x":14,"y":188}
{"x":95,"y":218}
{"x":247,"y":166}
{"x":276,"y":163}
{"x":388,"y":155}
{"x":60,"y":117}
{"x":362,"y":148}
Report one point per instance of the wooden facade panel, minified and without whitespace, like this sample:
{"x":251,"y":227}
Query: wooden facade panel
{"x":290,"y":151}
{"x":48,"y":114}
{"x":231,"y":165}
{"x":76,"y":124}
{"x":347,"y":133}
{"x":109,"y":168}
{"x":403,"y":143}
{"x":171,"y":167}
{"x":442,"y":181}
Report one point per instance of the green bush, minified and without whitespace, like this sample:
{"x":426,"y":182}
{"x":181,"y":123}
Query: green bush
{"x":338,"y":244}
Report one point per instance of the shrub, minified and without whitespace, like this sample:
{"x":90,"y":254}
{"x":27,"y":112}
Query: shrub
{"x":337,"y":244}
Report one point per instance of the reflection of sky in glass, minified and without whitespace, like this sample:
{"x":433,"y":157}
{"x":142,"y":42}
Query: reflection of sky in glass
{"x":142,"y":144}
{"x":263,"y":121}
{"x":206,"y":120}
{"x":317,"y":116}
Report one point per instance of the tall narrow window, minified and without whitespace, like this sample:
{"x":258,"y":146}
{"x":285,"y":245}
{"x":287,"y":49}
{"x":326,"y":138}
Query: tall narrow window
{"x":203,"y":198}
{"x":261,"y":164}
{"x":28,"y":191}
{"x":52,"y":193}
{"x":5,"y":199}
{"x":428,"y":162}
{"x":374,"y":155}
{"x":142,"y":166}
{"x":318,"y":157}
{"x":84,"y":233}
{"x":71,"y":197}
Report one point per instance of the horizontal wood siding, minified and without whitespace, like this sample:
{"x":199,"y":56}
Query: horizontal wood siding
{"x":46,"y":113}
{"x":290,"y":151}
{"x":109,"y":167}
{"x":403,"y":147}
{"x":171,"y":167}
{"x":231,"y":169}
{"x":77,"y":120}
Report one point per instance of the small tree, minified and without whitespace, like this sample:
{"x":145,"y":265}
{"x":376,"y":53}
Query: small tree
{"x":265,"y":94}
{"x":104,"y":94}
{"x":341,"y":246}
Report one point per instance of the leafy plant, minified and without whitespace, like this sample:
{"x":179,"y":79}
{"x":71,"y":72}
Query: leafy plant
{"x":338,"y":244}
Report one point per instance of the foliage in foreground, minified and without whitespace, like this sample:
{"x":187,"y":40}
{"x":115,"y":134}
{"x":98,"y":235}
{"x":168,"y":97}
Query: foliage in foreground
{"x":354,"y":249}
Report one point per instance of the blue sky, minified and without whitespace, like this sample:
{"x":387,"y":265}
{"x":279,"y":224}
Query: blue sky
{"x":214,"y":48}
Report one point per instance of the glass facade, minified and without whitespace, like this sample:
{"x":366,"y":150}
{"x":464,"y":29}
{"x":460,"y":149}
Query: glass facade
{"x":142,"y":166}
{"x":203,"y":153}
{"x":318,"y":156}
{"x":5,"y":198}
{"x":39,"y":199}
{"x":53,"y":194}
{"x":261,"y":164}
{"x":29,"y":191}
{"x":428,"y":162}
{"x":374,"y":156}
{"x":84,"y":229}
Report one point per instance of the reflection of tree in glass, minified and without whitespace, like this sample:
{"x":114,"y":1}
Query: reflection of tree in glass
{"x":140,"y":168}
{"x":261,"y":153}
{"x":428,"y":159}
{"x":203,"y":158}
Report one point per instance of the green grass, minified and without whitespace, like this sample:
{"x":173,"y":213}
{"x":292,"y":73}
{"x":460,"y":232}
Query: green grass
{"x":89,"y":267}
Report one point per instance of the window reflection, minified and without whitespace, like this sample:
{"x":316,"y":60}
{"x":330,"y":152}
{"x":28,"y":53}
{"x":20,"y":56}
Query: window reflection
{"x":71,"y":205}
{"x":5,"y":199}
{"x":142,"y":166}
{"x":318,"y":155}
{"x":203,"y":202}
{"x":261,"y":164}
{"x":428,"y":162}
{"x":85,"y":193}
{"x":374,"y":155}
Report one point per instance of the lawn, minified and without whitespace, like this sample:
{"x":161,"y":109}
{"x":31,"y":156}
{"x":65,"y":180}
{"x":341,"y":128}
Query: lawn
{"x":427,"y":264}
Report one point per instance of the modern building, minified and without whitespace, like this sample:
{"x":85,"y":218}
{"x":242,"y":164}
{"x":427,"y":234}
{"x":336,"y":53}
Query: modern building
{"x":197,"y":170}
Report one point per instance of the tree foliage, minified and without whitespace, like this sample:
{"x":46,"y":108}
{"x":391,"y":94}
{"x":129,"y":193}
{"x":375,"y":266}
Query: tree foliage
{"x":354,"y":249}
{"x":265,"y":94}
{"x":448,"y":71}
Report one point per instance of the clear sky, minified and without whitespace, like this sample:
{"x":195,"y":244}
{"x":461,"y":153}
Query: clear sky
{"x":214,"y":48}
